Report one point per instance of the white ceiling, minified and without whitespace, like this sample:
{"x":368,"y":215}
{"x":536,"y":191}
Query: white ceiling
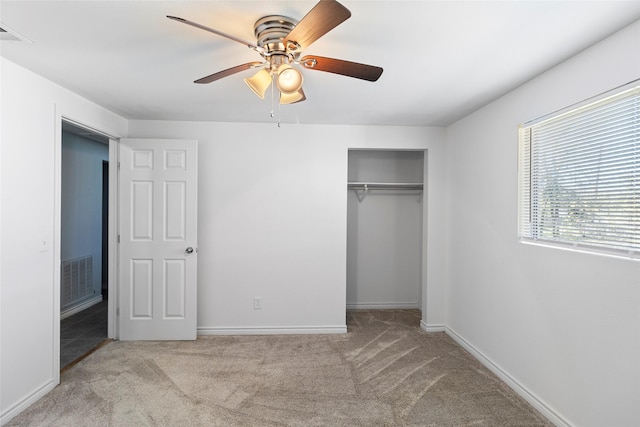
{"x":441,"y":59}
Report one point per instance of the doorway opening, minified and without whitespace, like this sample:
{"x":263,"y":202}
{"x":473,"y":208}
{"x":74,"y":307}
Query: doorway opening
{"x":84,"y":244}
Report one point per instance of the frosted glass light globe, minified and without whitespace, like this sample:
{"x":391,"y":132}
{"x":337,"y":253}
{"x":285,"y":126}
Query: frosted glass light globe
{"x":289,"y":79}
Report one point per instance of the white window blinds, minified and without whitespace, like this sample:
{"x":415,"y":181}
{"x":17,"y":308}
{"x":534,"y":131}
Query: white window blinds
{"x":579,"y":176}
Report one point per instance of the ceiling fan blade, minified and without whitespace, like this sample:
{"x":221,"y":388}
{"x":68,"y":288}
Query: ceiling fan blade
{"x":339,"y":66}
{"x":219,"y":33}
{"x":325,"y":16}
{"x":229,"y":71}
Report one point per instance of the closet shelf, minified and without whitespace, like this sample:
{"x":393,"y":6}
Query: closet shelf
{"x":361,"y":188}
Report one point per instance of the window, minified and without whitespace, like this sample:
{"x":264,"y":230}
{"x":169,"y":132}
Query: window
{"x":579,"y":176}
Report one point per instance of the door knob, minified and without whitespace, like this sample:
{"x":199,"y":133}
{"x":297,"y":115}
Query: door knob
{"x":189,"y":250}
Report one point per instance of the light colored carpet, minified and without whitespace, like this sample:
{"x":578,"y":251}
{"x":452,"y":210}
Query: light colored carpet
{"x":384,"y":372}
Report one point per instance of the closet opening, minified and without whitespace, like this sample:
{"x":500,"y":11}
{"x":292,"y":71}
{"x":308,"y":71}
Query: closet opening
{"x":385,"y":229}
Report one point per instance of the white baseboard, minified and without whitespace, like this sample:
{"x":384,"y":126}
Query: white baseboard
{"x":432,"y":328}
{"x":78,"y":308}
{"x":29,"y":400}
{"x":274,"y":330}
{"x":382,"y":305}
{"x":524,"y":392}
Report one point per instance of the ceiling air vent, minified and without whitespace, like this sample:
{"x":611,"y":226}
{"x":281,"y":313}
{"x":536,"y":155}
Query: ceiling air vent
{"x":10,"y":35}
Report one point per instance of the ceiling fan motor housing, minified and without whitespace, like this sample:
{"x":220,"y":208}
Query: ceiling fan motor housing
{"x":270,"y":32}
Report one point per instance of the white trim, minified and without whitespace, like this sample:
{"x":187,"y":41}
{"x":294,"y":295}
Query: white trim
{"x":515,"y":385}
{"x":382,"y":305}
{"x":577,"y":248}
{"x":26,"y":402}
{"x":78,"y":308}
{"x":432,"y":328}
{"x":57,"y":239}
{"x":273,"y":330}
{"x":89,"y":128}
{"x":112,"y":261}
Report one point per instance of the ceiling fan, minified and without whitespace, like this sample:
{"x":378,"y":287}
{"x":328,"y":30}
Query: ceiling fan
{"x":280,"y":42}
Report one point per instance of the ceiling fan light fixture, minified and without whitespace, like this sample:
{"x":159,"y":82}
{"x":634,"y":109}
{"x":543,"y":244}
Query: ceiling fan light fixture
{"x":292,"y":98}
{"x":289,"y":80}
{"x":259,"y":82}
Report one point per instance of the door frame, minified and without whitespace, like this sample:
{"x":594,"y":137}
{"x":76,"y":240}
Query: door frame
{"x":112,"y":328}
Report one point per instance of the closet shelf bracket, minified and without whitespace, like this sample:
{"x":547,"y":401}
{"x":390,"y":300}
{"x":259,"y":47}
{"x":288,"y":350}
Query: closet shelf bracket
{"x":361,"y":194}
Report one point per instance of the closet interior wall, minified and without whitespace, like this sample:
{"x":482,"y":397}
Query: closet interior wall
{"x":384,"y":229}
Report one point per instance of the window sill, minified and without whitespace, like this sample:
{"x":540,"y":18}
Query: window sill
{"x":629,"y":256}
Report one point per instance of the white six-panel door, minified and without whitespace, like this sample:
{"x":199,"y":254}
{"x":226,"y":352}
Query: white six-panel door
{"x":158,"y":239}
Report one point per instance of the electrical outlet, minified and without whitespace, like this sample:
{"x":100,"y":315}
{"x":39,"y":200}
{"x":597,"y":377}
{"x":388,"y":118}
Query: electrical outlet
{"x":257,"y":303}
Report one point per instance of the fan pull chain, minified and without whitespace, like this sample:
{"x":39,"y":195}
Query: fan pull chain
{"x":272,"y":84}
{"x":272,"y":114}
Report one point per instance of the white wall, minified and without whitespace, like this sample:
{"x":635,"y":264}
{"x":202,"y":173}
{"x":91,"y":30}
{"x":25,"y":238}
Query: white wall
{"x":384,"y":242}
{"x":29,"y":235}
{"x":564,"y":325}
{"x":272,"y":218}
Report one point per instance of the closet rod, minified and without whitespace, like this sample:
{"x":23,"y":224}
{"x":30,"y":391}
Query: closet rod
{"x":364,"y":186}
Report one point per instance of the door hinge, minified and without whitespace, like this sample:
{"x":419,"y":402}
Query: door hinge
{"x":118,"y":238}
{"x":117,"y":311}
{"x":118,"y":165}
